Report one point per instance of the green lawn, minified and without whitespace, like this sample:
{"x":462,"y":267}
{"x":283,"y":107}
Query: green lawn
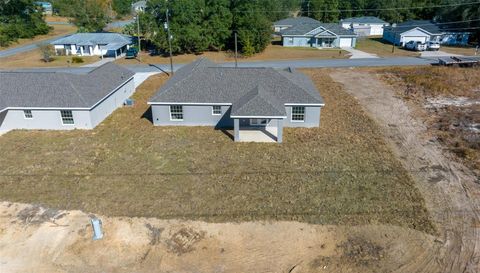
{"x":377,"y":45}
{"x":340,"y":173}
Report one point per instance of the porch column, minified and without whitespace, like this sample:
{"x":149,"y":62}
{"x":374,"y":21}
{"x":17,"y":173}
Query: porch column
{"x":236,"y":129}
{"x":81,"y":51}
{"x":279,"y":130}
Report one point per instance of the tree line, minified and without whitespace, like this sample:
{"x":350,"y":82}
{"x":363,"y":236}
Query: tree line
{"x":20,"y":19}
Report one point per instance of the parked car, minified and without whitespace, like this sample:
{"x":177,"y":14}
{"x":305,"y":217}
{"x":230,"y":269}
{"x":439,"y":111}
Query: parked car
{"x":416,"y":45}
{"x":131,"y":53}
{"x":432,"y":45}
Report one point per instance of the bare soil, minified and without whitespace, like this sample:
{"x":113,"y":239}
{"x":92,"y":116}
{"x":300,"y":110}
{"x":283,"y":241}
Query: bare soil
{"x":450,"y":189}
{"x":37,"y":239}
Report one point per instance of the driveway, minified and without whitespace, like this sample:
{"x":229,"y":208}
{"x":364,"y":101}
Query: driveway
{"x":358,"y":54}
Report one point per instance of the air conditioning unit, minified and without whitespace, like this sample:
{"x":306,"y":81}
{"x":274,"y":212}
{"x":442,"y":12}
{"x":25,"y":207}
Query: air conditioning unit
{"x":129,"y":102}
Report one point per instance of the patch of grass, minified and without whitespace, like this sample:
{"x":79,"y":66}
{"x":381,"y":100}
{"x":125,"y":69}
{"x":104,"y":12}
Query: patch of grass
{"x":340,"y":173}
{"x":272,"y":52}
{"x":383,"y":49}
{"x":33,"y":58}
{"x":466,"y":50}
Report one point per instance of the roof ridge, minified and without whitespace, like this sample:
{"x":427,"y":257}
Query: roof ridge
{"x":74,"y":88}
{"x":294,"y":83}
{"x":198,"y":61}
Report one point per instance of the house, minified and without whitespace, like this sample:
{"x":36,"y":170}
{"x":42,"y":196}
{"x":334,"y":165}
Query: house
{"x":291,"y":22}
{"x":319,"y":35}
{"x":46,"y":7}
{"x":251,"y":100}
{"x":424,"y":31}
{"x":62,"y":101}
{"x":93,"y":44}
{"x":365,"y":25}
{"x":139,"y":6}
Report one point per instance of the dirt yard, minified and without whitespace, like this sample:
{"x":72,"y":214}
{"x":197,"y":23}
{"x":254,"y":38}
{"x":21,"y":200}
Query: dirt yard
{"x":36,"y":239}
{"x":451,"y":190}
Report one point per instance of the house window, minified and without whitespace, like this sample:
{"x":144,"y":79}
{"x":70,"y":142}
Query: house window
{"x":216,"y":110}
{"x":67,"y":117}
{"x":176,"y":112}
{"x":298,"y":113}
{"x":290,"y":40}
{"x":28,"y":114}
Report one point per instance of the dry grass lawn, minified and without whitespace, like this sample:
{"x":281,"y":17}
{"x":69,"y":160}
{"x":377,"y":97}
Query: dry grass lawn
{"x":33,"y":58}
{"x":467,"y":50}
{"x":272,"y":52}
{"x":57,"y":19}
{"x":340,"y":173}
{"x":382,"y":49}
{"x":58,"y":30}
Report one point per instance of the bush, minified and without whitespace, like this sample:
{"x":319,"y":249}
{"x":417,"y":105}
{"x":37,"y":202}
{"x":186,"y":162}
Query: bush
{"x":77,"y":60}
{"x":47,"y":52}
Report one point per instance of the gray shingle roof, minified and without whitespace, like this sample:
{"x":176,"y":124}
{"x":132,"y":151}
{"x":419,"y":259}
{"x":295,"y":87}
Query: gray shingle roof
{"x":258,"y":102}
{"x":60,"y":90}
{"x":293,"y":21}
{"x":303,"y":29}
{"x":204,"y":82}
{"x":364,"y":20}
{"x":426,"y":25}
{"x":94,"y":39}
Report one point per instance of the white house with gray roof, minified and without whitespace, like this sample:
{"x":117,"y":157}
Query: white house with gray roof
{"x":312,"y":33}
{"x":248,"y":99}
{"x":364,"y":25}
{"x":93,"y":44}
{"x":62,"y":101}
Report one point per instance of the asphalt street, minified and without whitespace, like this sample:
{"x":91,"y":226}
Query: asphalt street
{"x":374,"y":62}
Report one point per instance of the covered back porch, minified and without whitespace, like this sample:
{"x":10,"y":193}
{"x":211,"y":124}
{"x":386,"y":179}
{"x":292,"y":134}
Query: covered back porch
{"x":258,"y":129}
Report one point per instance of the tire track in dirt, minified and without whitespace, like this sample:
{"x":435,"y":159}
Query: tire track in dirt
{"x":450,"y":189}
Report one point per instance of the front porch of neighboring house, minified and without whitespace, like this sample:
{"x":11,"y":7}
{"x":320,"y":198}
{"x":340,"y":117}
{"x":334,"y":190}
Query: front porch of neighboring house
{"x":323,"y":41}
{"x":258,"y":129}
{"x":110,"y":50}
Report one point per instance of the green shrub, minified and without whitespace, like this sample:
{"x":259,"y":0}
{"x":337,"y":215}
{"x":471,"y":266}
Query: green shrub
{"x":77,"y":60}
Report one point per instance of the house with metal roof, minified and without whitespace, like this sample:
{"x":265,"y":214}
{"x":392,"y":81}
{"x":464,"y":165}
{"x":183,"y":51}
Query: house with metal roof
{"x":257,"y":102}
{"x":424,"y":31}
{"x":364,"y":25}
{"x":93,"y":44}
{"x":62,"y":101}
{"x":319,"y":35}
{"x":46,"y":7}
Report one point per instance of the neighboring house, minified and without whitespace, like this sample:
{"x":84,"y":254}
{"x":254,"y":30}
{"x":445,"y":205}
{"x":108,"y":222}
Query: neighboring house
{"x":424,"y":31}
{"x":320,"y":35}
{"x":139,"y":6}
{"x":46,"y":6}
{"x":291,"y":22}
{"x":248,"y":99}
{"x":93,"y":44}
{"x":62,"y":101}
{"x":365,"y":26}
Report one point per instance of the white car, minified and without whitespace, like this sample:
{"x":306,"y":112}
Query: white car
{"x":416,"y":45}
{"x":433,"y":45}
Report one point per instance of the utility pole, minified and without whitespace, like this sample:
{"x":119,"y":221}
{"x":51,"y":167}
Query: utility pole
{"x":138,"y":37}
{"x":167,"y":26}
{"x":236,"y":62}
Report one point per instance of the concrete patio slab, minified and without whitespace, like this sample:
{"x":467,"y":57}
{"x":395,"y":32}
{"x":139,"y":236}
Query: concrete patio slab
{"x":258,"y":135}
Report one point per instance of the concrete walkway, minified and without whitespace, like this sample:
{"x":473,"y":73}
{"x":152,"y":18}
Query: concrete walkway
{"x":268,"y":134}
{"x":358,"y":54}
{"x":140,"y":77}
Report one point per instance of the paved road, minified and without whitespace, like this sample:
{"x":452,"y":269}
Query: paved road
{"x":25,"y":48}
{"x":374,"y":62}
